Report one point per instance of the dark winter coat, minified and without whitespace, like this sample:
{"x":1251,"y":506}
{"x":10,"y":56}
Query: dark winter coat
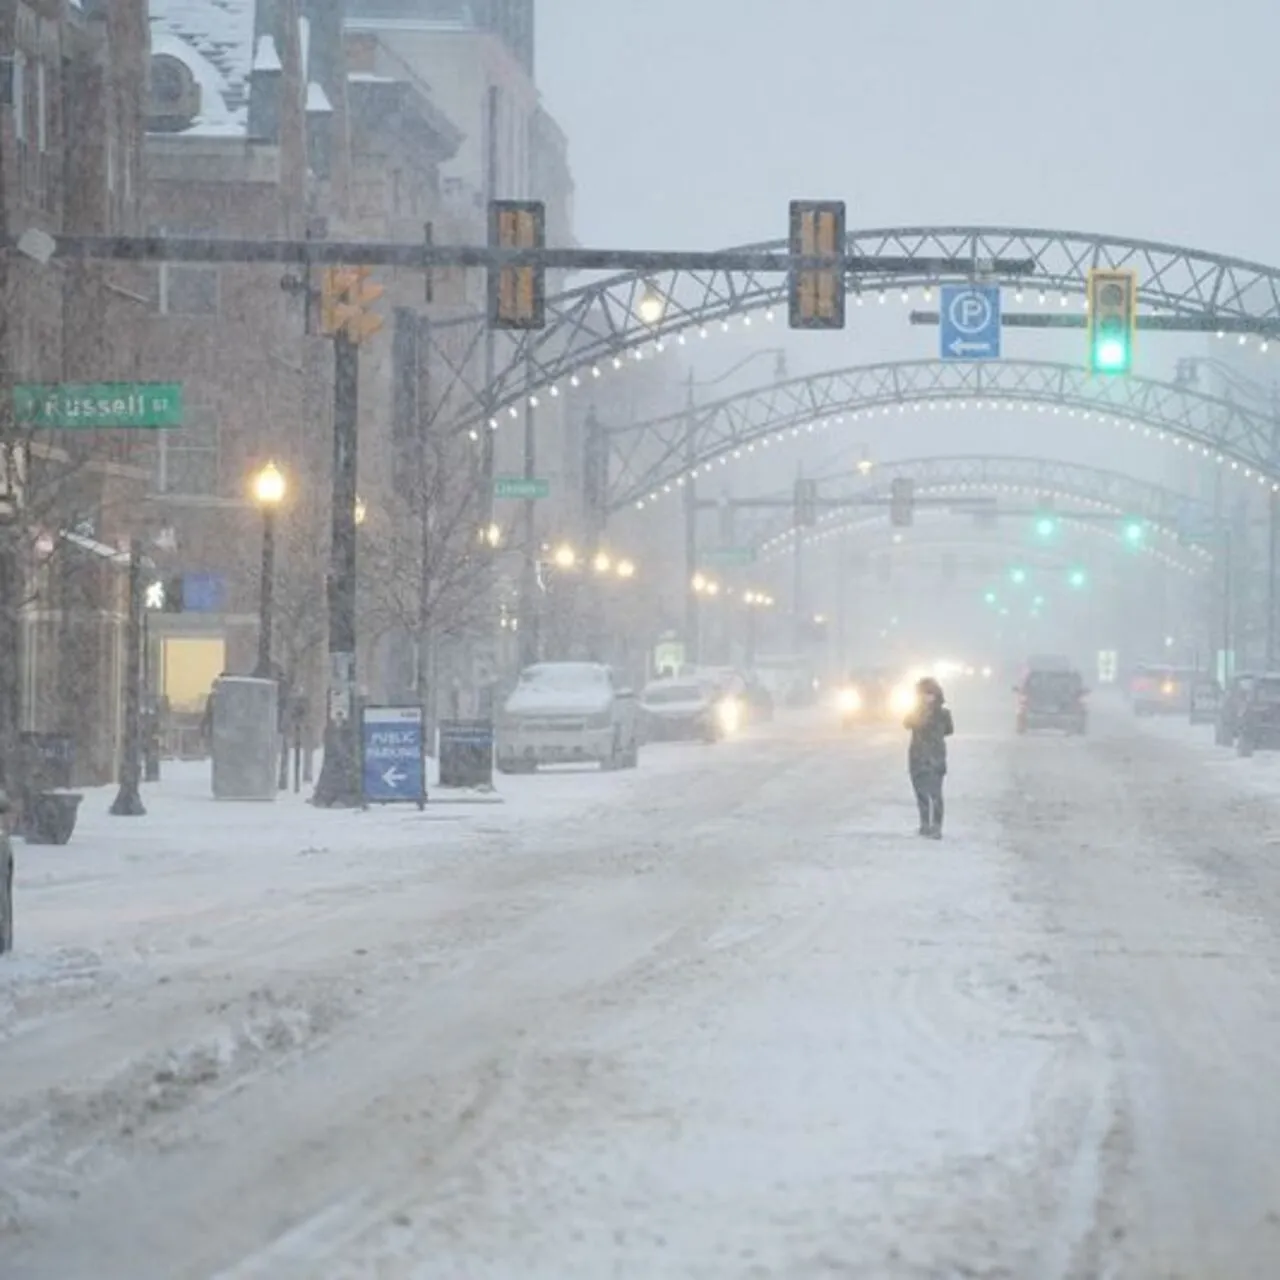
{"x":931,"y":725}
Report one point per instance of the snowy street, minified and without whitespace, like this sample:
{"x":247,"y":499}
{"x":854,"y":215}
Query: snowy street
{"x":724,"y":1016}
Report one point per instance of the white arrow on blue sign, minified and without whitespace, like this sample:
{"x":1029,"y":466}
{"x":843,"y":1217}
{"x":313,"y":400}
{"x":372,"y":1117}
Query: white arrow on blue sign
{"x":392,"y":753}
{"x":969,"y":322}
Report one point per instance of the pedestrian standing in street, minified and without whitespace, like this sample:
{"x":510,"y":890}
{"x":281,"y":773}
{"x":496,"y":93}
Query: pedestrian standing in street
{"x":931,"y":725}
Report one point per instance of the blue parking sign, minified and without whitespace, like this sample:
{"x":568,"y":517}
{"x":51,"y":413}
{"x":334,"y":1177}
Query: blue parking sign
{"x":969,"y":322}
{"x":392,"y":755}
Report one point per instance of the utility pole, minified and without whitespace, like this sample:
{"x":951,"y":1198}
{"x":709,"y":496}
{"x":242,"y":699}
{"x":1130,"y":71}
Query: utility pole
{"x":528,"y":640}
{"x":128,"y":801}
{"x":339,"y":783}
{"x":1273,"y":532}
{"x":797,"y":581}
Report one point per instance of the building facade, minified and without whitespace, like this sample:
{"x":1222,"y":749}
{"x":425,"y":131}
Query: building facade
{"x":71,"y":79}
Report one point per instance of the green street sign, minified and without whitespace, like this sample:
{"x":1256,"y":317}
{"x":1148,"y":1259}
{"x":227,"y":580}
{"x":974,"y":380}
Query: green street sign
{"x":724,"y":557}
{"x":519,"y":487}
{"x":98,"y":405}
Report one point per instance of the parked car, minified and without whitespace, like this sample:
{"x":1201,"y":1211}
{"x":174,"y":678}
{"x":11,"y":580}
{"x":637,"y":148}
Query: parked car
{"x":1259,"y":723}
{"x":679,"y":709}
{"x":1227,"y":728}
{"x":759,"y":702}
{"x":6,"y":878}
{"x":1052,"y":700}
{"x":568,"y":713}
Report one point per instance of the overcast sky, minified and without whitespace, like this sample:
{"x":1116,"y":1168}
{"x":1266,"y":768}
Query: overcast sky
{"x":693,"y":122}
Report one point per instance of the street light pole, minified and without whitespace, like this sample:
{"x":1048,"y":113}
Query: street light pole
{"x":268,"y":491}
{"x":128,"y":801}
{"x":265,"y":602}
{"x":339,"y":783}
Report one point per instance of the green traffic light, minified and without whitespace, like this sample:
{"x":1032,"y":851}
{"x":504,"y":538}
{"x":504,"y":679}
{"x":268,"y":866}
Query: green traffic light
{"x":1133,"y":532}
{"x":1045,"y":526}
{"x":1018,"y":576}
{"x":1111,"y":355}
{"x":1077,"y":578}
{"x":990,"y":597}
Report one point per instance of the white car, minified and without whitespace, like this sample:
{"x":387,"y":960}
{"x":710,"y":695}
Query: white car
{"x":568,"y":713}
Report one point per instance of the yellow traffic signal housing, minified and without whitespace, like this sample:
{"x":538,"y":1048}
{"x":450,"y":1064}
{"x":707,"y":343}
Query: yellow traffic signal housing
{"x":1113,"y":319}
{"x":517,"y":295}
{"x":346,"y":296}
{"x":816,"y":298}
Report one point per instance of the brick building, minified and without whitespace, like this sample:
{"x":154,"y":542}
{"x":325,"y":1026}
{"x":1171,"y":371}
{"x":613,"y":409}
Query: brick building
{"x":70,"y":162}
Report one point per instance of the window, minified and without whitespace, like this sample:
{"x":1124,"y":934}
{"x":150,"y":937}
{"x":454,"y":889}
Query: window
{"x":186,"y":457}
{"x":184,"y":289}
{"x":187,"y":290}
{"x":20,"y":96}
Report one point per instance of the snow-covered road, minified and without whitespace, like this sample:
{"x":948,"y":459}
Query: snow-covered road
{"x":723,"y":1017}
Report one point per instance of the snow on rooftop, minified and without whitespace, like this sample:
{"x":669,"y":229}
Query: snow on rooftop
{"x":215,"y":39}
{"x":317,"y":99}
{"x":266,"y":58}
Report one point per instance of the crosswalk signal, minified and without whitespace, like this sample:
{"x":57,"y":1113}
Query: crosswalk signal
{"x":517,"y":295}
{"x":347,"y":295}
{"x":806,"y":503}
{"x":902,"y":501}
{"x":816,"y":297}
{"x":1113,"y":316}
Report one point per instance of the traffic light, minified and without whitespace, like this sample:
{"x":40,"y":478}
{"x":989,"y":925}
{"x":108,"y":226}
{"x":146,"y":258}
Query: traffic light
{"x":1077,"y":578}
{"x":1046,"y":526}
{"x":1134,"y":532}
{"x":902,"y":501}
{"x":517,"y":295}
{"x":1017,"y":575}
{"x":1113,"y":314}
{"x":346,"y":296}
{"x":806,"y":503}
{"x":989,"y":598}
{"x":816,"y":297}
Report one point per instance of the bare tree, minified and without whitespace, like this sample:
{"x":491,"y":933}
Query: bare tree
{"x":426,"y":560}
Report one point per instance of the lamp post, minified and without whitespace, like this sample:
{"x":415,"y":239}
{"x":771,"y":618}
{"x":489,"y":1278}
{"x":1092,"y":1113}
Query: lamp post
{"x":268,"y":493}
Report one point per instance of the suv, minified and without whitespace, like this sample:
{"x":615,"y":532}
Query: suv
{"x":568,"y":713}
{"x":1259,"y":720}
{"x":1052,"y":700}
{"x":1227,"y":727}
{"x":6,"y":879}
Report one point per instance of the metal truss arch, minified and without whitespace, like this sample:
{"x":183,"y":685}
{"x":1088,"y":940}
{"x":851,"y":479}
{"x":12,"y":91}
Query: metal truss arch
{"x":941,"y":531}
{"x":1028,"y":478}
{"x":656,"y":457}
{"x":606,"y":319}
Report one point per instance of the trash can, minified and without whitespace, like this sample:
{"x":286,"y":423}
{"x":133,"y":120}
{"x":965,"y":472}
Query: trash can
{"x":245,"y":738}
{"x":48,"y":807}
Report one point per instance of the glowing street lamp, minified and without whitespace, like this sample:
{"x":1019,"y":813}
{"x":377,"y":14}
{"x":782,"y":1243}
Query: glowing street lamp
{"x":625,"y":569}
{"x":601,"y":563}
{"x":269,"y":489}
{"x":564,"y":556}
{"x":361,"y":511}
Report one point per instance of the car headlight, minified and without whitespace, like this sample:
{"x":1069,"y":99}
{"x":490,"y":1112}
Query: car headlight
{"x":850,"y":700}
{"x":729,"y":714}
{"x":903,"y":700}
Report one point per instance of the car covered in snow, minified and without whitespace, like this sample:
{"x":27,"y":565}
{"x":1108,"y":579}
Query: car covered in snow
{"x":6,"y":879}
{"x":567,"y":713}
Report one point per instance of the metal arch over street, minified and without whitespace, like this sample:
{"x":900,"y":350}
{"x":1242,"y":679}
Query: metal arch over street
{"x":655,"y":457}
{"x":940,"y":528}
{"x":596,"y":322}
{"x":1029,"y":478}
